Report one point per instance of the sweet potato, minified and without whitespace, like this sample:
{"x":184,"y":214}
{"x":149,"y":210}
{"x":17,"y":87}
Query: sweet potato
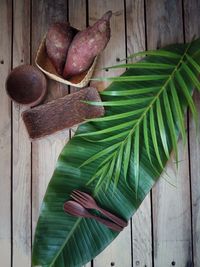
{"x":58,"y":39}
{"x":86,"y":45}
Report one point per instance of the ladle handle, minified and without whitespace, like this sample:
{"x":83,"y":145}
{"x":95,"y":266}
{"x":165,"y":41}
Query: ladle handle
{"x":112,"y":217}
{"x":109,"y":224}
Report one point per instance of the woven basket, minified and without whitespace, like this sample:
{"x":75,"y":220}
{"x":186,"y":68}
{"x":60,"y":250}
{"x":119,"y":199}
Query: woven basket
{"x":44,"y":64}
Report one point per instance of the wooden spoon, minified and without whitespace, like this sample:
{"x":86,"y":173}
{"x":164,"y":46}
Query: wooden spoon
{"x":74,"y":208}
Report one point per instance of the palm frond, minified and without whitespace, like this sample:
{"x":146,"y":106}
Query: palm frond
{"x":153,"y":115}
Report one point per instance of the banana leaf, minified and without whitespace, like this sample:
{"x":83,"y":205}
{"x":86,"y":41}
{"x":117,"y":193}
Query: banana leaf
{"x":119,"y":157}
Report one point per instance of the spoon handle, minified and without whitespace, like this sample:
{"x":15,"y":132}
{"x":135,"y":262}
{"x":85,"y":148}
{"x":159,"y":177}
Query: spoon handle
{"x":109,"y":224}
{"x":112,"y":217}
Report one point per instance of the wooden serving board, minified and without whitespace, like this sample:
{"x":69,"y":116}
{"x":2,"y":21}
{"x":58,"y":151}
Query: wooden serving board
{"x":62,"y":113}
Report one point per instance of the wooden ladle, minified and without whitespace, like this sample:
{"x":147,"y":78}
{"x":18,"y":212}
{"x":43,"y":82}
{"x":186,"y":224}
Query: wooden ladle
{"x":75,"y":209}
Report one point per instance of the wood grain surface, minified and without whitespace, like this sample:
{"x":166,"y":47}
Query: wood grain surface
{"x":165,"y":231}
{"x":5,"y":135}
{"x":21,"y":147}
{"x":171,"y":205}
{"x":192,"y":21}
{"x":45,"y":152}
{"x":113,"y":255}
{"x":76,"y":10}
{"x":141,"y":222}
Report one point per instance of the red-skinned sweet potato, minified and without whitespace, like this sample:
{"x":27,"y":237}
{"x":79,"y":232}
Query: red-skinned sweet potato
{"x":58,"y":40}
{"x":86,"y":45}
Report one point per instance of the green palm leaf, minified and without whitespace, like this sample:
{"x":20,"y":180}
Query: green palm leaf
{"x":128,"y":150}
{"x":110,"y":129}
{"x":111,"y":138}
{"x":118,"y":164}
{"x":171,"y":124}
{"x":142,"y":65}
{"x":120,"y":102}
{"x":154,"y":137}
{"x":192,"y":76}
{"x":127,"y":154}
{"x":158,"y":53}
{"x":146,"y":137}
{"x":153,"y":77}
{"x":111,"y":170}
{"x":179,"y":111}
{"x":162,"y":127}
{"x":193,"y":63}
{"x":188,"y":97}
{"x":101,"y":154}
{"x":136,"y":156}
{"x":118,"y":116}
{"x":130,"y":92}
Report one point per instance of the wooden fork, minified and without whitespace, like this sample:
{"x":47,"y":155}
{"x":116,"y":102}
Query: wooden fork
{"x":75,"y":209}
{"x":88,"y":202}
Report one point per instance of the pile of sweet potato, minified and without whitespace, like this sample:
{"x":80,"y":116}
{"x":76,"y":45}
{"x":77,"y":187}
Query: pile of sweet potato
{"x":72,"y":52}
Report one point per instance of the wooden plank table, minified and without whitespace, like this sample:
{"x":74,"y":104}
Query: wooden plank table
{"x":165,"y":231}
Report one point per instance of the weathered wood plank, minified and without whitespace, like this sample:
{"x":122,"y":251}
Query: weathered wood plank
{"x":118,"y":253}
{"x":115,"y":50}
{"x":171,"y":206}
{"x":77,"y":10}
{"x":77,"y":18}
{"x":142,"y":235}
{"x":21,"y":145}
{"x":77,"y":14}
{"x":141,"y":221}
{"x":45,"y":151}
{"x":5,"y":134}
{"x":192,"y":21}
{"x":135,"y":23}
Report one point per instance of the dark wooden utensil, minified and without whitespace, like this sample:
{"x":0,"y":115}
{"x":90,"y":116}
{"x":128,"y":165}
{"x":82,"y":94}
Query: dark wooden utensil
{"x":62,"y":113}
{"x":26,"y":85}
{"x":75,"y":209}
{"x":88,"y":202}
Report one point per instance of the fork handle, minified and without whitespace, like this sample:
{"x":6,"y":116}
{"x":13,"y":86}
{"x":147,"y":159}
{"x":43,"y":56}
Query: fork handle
{"x":113,"y":217}
{"x":109,"y":224}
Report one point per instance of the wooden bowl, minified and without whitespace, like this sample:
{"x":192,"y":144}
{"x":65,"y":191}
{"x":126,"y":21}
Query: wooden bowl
{"x":44,"y":64}
{"x":26,"y":85}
